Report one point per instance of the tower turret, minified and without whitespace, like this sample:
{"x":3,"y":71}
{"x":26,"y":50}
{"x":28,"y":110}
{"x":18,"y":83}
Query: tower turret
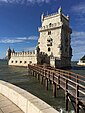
{"x":8,"y":54}
{"x":60,"y":10}
{"x":42,"y":17}
{"x":13,"y":51}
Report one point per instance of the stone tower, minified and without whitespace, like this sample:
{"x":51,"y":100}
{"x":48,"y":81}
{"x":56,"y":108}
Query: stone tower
{"x":55,"y":39}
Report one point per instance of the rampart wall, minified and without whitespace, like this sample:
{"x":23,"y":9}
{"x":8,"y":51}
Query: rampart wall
{"x":23,"y":58}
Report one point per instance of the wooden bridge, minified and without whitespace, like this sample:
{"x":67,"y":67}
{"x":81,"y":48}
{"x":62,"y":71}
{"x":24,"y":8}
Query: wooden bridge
{"x":73,"y":84}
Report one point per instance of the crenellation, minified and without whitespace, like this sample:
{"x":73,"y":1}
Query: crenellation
{"x":51,"y":15}
{"x":23,"y":53}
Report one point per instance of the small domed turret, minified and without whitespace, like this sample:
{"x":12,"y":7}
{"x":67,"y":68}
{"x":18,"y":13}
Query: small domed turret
{"x":42,"y":17}
{"x":60,"y":10}
{"x":13,"y":51}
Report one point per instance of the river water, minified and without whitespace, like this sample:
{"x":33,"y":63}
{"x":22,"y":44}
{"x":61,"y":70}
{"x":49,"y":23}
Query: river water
{"x":19,"y":76}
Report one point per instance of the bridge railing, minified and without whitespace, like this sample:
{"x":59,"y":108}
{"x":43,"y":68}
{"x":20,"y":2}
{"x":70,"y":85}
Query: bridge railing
{"x":73,"y":84}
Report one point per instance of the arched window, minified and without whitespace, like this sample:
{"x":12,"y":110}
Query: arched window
{"x":12,"y":61}
{"x":50,"y":24}
{"x":30,"y":62}
{"x":15,"y":61}
{"x":25,"y":62}
{"x":20,"y":61}
{"x":49,"y":32}
{"x":49,"y":49}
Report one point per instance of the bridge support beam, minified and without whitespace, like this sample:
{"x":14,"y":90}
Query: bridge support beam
{"x":66,"y":95}
{"x":38,"y":76}
{"x":54,"y":89}
{"x":77,"y":101}
{"x":41,"y":79}
{"x":59,"y":81}
{"x":33,"y":73}
{"x":50,"y":82}
{"x":46,"y":83}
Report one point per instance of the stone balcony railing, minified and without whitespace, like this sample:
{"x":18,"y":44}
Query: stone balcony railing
{"x":52,"y":26}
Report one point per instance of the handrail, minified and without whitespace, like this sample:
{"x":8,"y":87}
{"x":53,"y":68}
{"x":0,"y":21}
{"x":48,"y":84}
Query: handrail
{"x":76,"y":82}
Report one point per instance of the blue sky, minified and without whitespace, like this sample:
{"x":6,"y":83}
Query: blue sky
{"x":20,"y":19}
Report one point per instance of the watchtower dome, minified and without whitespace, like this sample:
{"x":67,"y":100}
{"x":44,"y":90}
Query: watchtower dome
{"x":55,"y":38}
{"x":8,"y":54}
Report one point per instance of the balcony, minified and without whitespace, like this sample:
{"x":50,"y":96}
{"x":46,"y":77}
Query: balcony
{"x":50,"y":26}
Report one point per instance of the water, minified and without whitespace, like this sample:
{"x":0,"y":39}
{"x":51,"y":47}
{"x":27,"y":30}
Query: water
{"x":19,"y":76}
{"x":78,"y":69}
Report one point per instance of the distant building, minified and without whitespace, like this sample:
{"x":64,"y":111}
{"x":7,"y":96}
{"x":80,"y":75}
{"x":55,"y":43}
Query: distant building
{"x":82,"y":61}
{"x":54,"y":44}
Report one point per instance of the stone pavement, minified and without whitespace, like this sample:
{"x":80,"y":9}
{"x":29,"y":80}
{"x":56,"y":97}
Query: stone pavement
{"x":6,"y":106}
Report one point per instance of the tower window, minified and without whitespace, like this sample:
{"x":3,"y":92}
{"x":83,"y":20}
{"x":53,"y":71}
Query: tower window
{"x":50,"y":24}
{"x":25,"y":62}
{"x":38,"y":42}
{"x":30,"y":62}
{"x":49,"y":32}
{"x":49,"y":49}
{"x":48,"y":40}
{"x":20,"y":61}
{"x":15,"y":61}
{"x":12,"y":61}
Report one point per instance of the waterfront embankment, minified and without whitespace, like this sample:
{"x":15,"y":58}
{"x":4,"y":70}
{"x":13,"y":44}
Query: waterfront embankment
{"x":24,"y":100}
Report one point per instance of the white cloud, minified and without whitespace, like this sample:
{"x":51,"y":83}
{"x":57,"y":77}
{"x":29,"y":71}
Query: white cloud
{"x":78,"y":34}
{"x":79,"y":9}
{"x":18,"y":39}
{"x":27,"y":38}
{"x":10,"y":41}
{"x":21,"y":38}
{"x":3,"y":0}
{"x":78,"y":38}
{"x":25,"y":1}
{"x":32,"y":38}
{"x":29,"y":48}
{"x":78,"y":44}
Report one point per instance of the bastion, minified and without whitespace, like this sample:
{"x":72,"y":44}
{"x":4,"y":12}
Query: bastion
{"x":54,"y":44}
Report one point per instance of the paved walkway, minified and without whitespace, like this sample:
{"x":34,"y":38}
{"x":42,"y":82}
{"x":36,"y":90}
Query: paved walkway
{"x":6,"y":106}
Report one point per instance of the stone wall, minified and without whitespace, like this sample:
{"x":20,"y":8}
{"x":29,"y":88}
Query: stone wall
{"x":23,"y":61}
{"x":27,"y":102}
{"x":23,"y":58}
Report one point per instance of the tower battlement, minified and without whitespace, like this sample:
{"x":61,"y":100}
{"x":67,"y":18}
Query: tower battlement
{"x":24,"y":54}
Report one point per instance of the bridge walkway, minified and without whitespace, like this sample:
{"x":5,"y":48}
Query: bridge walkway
{"x":73,"y":84}
{"x":7,"y":106}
